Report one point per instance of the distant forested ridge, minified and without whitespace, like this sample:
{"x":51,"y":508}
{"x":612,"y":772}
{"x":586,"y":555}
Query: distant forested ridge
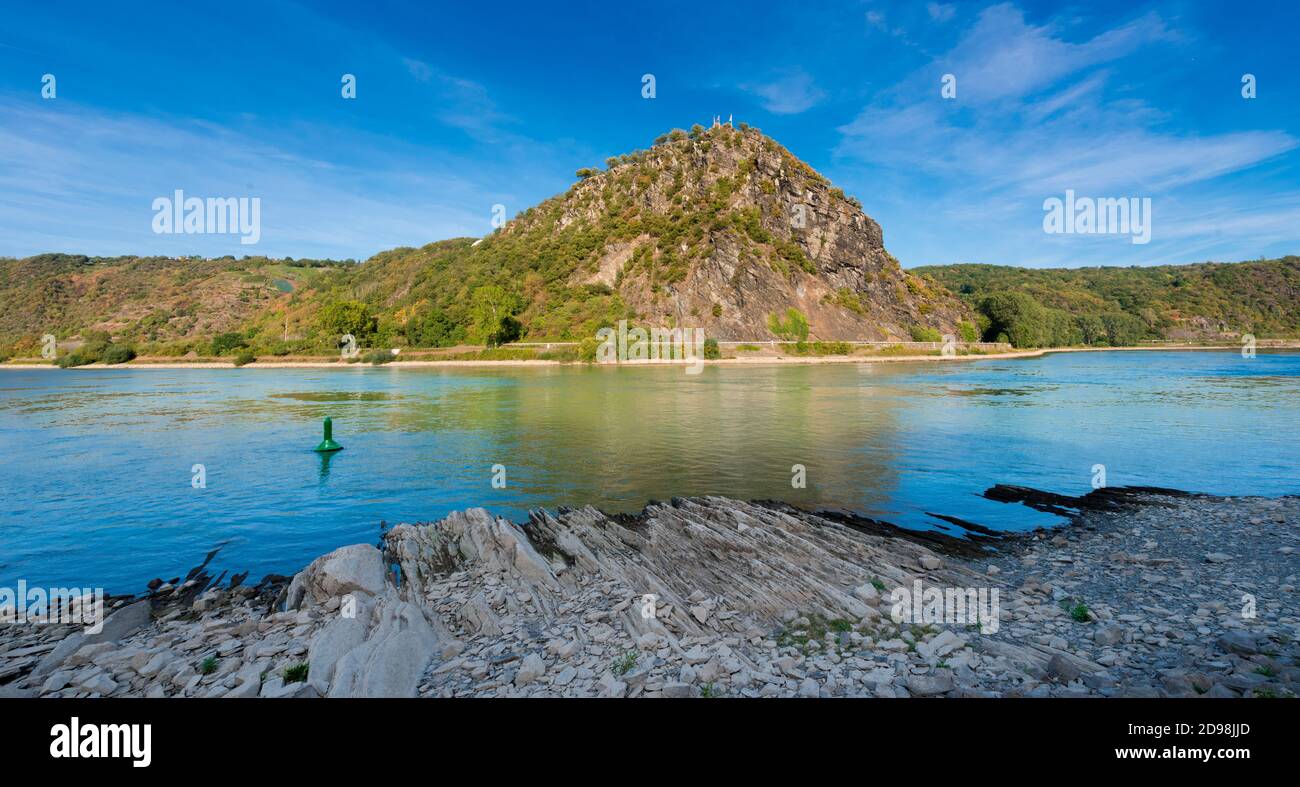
{"x":1121,"y":306}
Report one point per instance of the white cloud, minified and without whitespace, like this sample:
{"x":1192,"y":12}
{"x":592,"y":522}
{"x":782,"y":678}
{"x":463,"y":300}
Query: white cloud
{"x":940,"y":12}
{"x":792,"y":92}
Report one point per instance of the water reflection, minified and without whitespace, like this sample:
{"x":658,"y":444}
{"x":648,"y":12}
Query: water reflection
{"x":96,"y":468}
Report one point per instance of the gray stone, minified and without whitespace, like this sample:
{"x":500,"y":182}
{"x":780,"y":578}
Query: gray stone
{"x":338,"y":638}
{"x":1108,"y":635}
{"x":392,"y":659}
{"x":929,"y":685}
{"x":530,"y":670}
{"x":1219,"y":691}
{"x":1240,"y":642}
{"x":1062,"y":669}
{"x":679,"y":691}
{"x":56,"y":681}
{"x":55,"y":658}
{"x":809,"y":688}
{"x":99,"y":682}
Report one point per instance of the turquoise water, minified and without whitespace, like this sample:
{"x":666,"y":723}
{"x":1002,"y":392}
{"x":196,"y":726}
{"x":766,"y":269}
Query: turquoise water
{"x":96,"y":466}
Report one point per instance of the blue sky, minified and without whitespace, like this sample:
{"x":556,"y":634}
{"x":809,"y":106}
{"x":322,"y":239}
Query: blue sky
{"x":463,"y":106}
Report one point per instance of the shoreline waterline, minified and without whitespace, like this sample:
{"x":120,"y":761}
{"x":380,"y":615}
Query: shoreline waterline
{"x":755,"y":361}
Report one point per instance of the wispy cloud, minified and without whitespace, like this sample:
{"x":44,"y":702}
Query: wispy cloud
{"x":82,"y":180}
{"x":466,"y":103}
{"x":1035,"y":115}
{"x":940,"y":12}
{"x":791,"y":92}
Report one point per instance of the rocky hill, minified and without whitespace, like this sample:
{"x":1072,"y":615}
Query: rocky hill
{"x":715,"y":228}
{"x":720,"y":228}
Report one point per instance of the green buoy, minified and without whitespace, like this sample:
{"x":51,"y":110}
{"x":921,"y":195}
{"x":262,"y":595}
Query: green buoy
{"x":328,"y":443}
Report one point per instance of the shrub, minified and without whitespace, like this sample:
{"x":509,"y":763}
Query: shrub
{"x":587,"y":349}
{"x":378,"y":357}
{"x":820,"y":348}
{"x":296,"y":673}
{"x":794,"y":328}
{"x":624,"y":664}
{"x":245,"y":357}
{"x":223,"y":343}
{"x":95,"y":343}
{"x":968,"y":331}
{"x":118,"y":353}
{"x":562,"y":354}
{"x":711,"y":350}
{"x":922,"y":333}
{"x":76,"y":358}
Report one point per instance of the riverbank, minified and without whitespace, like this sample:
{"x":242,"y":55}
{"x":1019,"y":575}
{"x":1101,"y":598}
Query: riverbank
{"x":1145,"y":593}
{"x":737,"y":361}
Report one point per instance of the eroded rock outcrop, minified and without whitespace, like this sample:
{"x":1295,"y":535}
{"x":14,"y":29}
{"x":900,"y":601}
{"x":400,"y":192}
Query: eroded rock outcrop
{"x":716,"y":597}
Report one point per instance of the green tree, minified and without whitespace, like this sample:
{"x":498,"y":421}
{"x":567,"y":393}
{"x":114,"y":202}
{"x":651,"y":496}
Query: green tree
{"x":493,"y":311}
{"x":1091,"y":329}
{"x":343,"y":317}
{"x":434,"y":328}
{"x":1123,"y":329}
{"x":1017,"y":316}
{"x":223,"y":343}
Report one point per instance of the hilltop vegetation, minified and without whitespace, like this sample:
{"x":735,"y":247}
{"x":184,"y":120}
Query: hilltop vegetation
{"x":1119,"y":306}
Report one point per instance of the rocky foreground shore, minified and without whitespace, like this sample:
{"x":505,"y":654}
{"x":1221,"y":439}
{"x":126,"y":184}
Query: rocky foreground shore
{"x":1145,"y":593}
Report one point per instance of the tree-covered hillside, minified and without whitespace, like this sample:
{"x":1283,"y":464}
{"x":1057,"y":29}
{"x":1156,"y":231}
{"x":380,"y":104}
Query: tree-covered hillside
{"x":1064,"y":306}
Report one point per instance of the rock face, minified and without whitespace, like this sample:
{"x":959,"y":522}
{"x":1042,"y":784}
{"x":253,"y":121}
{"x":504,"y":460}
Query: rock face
{"x":762,"y":562}
{"x":376,"y":644}
{"x":722,"y":227}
